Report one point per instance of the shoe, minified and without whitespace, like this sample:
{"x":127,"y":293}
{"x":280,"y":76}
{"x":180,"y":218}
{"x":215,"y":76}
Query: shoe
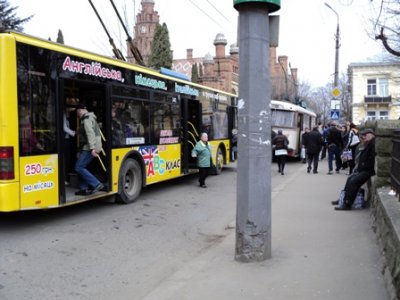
{"x":337,"y":171}
{"x":83,"y":193}
{"x":282,"y":173}
{"x":308,"y":170}
{"x":342,"y":208}
{"x":330,"y":173}
{"x":315,"y":172}
{"x":98,"y":188}
{"x":203,"y":186}
{"x":335,"y":202}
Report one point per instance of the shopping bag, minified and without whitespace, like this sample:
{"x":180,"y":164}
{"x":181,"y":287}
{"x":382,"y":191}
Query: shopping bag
{"x":358,"y":203}
{"x":347,"y":155}
{"x":281,"y":152}
{"x":303,"y":153}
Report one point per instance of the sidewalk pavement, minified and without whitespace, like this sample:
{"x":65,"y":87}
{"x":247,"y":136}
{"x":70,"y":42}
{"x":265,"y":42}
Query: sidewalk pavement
{"x":317,"y":252}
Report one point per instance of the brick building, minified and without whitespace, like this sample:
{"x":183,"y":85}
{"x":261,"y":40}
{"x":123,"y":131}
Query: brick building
{"x":220,"y":71}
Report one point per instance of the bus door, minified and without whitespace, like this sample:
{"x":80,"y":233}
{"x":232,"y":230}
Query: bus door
{"x":191,"y":117}
{"x":94,"y":97}
{"x":233,"y":130}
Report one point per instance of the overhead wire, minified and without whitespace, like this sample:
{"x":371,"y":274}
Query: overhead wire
{"x":212,"y":19}
{"x":219,"y":11}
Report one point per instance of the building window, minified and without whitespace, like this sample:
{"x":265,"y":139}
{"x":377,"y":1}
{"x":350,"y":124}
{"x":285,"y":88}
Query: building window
{"x":378,"y":87}
{"x":371,"y":86}
{"x":371,"y":115}
{"x":383,"y":87}
{"x":384,"y":115}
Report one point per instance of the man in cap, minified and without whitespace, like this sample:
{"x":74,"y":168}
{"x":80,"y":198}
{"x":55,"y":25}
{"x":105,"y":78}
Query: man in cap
{"x":363,"y":170}
{"x":90,"y":143}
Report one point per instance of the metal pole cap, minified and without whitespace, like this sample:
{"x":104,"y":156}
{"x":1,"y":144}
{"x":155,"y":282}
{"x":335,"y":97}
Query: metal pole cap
{"x":273,"y":5}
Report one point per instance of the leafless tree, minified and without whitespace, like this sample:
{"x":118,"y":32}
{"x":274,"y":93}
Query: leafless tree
{"x":387,"y":24}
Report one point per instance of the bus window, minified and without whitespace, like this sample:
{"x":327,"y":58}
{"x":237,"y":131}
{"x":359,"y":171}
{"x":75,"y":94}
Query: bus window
{"x":131,"y":117}
{"x":220,"y":125}
{"x":36,"y":104}
{"x":165,"y":123}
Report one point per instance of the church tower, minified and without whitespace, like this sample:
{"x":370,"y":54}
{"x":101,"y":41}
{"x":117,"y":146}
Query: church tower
{"x":146,"y":23}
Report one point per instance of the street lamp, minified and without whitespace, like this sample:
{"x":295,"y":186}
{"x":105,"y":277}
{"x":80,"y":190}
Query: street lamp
{"x":336,"y":80}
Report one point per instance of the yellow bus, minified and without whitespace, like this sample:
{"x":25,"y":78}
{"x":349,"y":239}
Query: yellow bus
{"x":149,"y":122}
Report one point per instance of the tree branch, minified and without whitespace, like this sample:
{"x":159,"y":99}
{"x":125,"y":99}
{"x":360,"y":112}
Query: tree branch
{"x":385,"y":43}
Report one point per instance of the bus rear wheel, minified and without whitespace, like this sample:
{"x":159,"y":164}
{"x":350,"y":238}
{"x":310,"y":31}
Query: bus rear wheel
{"x":219,"y":163}
{"x":130,"y":181}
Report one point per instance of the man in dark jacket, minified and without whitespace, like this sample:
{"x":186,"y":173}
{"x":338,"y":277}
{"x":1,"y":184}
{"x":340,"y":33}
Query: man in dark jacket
{"x":335,"y":146}
{"x":364,"y":169}
{"x":313,"y":144}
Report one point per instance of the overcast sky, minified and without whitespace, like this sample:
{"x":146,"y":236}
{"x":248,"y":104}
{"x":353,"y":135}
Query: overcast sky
{"x":307,"y":28}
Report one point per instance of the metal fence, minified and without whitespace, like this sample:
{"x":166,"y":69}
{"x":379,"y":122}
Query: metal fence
{"x":395,"y":170}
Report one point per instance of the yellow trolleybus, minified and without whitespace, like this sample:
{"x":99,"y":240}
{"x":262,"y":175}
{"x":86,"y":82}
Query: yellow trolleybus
{"x":149,"y":122}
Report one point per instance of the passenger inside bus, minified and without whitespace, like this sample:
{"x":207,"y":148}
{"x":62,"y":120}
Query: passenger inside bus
{"x":117,"y":132}
{"x":29,"y":142}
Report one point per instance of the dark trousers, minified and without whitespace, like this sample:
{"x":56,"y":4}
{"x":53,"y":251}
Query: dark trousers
{"x":281,"y":162}
{"x":312,"y":158}
{"x":351,"y":163}
{"x":203,"y":173}
{"x":353,"y":184}
{"x":334,"y":153}
{"x":323,"y":151}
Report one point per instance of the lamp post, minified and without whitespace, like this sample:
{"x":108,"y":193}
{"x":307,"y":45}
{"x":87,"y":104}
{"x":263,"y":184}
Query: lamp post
{"x":336,"y":80}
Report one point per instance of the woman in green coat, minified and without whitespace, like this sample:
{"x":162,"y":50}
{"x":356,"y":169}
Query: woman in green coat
{"x":202,"y":151}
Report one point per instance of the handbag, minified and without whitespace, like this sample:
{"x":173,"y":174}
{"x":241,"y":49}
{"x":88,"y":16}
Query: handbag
{"x":358,"y":203}
{"x":346,"y":155}
{"x":354,"y":140}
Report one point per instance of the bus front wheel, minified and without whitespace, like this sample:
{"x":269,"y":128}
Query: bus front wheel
{"x":130,"y":181}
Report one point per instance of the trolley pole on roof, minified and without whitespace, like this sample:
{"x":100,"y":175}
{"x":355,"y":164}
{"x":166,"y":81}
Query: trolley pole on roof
{"x":134,"y":50}
{"x":115,"y":50}
{"x":253,"y":219}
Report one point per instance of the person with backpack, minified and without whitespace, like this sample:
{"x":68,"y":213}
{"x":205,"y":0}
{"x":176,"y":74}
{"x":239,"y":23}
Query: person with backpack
{"x":90,"y":143}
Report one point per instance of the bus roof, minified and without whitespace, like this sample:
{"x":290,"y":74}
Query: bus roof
{"x":39,"y":42}
{"x":285,"y":105}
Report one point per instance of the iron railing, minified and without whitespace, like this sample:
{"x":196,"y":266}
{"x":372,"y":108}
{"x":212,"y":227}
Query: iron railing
{"x":395,"y":169}
{"x":377,"y":99}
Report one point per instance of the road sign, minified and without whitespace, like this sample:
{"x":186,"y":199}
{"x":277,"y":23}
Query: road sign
{"x":336,"y":92}
{"x":335,"y":114}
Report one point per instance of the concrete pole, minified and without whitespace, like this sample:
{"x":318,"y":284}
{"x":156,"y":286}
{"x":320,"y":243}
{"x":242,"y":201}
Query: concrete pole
{"x":337,"y":46}
{"x":253,"y":220}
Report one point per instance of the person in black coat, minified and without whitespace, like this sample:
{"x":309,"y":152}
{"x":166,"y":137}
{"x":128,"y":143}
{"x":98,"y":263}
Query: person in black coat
{"x":280,"y":143}
{"x":335,"y":147}
{"x":313,"y":144}
{"x":363,"y":170}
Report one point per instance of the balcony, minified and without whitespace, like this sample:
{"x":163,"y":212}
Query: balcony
{"x":377,"y":99}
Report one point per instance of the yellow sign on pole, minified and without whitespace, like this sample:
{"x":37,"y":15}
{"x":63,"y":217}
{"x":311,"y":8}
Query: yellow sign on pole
{"x":336,"y":92}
